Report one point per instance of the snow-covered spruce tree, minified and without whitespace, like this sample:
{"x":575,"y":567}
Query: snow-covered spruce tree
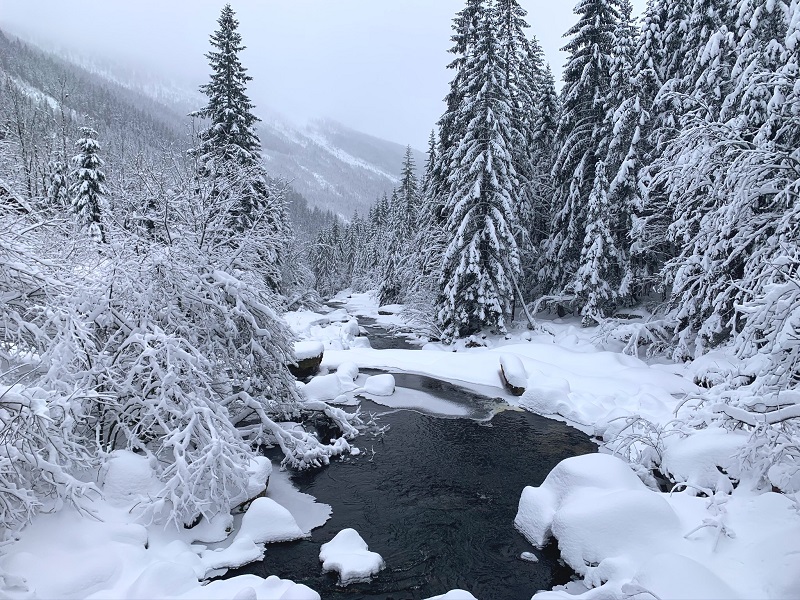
{"x":58,"y":184}
{"x":596,"y":279}
{"x":708,"y":55}
{"x":582,"y":137}
{"x":482,"y":258}
{"x":390,"y":290}
{"x":403,"y":255}
{"x":328,"y":259}
{"x":408,"y":195}
{"x":230,"y":134}
{"x":760,"y":51}
{"x":624,"y":158}
{"x":88,"y":187}
{"x":465,"y":27}
{"x":425,"y":266}
{"x":524,"y":70}
{"x":544,"y":114}
{"x":228,"y":149}
{"x":669,"y":21}
{"x":635,"y":134}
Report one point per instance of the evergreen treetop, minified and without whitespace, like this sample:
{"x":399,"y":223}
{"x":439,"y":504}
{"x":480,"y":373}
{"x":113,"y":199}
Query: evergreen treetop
{"x":231,"y":132}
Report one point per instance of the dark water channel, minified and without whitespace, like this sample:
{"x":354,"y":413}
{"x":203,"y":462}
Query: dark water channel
{"x":437,"y":500}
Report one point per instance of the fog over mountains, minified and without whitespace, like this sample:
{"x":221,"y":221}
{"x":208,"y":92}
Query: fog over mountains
{"x":334,"y":167}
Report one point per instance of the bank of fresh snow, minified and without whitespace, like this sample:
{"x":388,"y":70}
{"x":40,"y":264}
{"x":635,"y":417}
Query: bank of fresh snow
{"x":109,"y":549}
{"x":614,"y":528}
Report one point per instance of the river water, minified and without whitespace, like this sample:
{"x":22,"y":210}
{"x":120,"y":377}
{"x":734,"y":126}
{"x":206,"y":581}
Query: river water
{"x":436,"y":497}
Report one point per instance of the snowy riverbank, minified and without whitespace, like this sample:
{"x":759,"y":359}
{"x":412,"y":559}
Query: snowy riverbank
{"x":717,"y":536}
{"x":720,"y":534}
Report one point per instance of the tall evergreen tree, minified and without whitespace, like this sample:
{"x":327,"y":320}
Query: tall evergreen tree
{"x":408,"y":194}
{"x":623,"y":110}
{"x":229,"y":148}
{"x":708,"y":55}
{"x":582,"y":135}
{"x":760,"y":51}
{"x":634,"y":134}
{"x":523,"y":69}
{"x":231,"y":132}
{"x":88,"y":186}
{"x":465,"y":27}
{"x":229,"y":153}
{"x":595,"y":281}
{"x":482,"y":257}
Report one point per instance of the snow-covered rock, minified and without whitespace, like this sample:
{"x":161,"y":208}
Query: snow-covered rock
{"x":455,"y":595}
{"x":349,"y":555}
{"x":347,"y":371}
{"x":306,"y":350}
{"x":380,"y":385}
{"x":259,"y":472}
{"x":697,"y":458}
{"x":513,"y":373}
{"x":267,"y":522}
{"x":538,"y":506}
{"x":390,"y":309}
{"x":545,"y":394}
{"x":308,"y":355}
{"x":361,"y":342}
{"x":324,"y":388}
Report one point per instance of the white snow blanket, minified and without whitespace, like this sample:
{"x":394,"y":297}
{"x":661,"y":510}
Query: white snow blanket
{"x":348,"y":554}
{"x":590,"y":388}
{"x":112,"y":555}
{"x":626,"y":539}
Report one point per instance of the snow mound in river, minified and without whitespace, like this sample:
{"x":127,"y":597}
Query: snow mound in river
{"x":349,"y":555}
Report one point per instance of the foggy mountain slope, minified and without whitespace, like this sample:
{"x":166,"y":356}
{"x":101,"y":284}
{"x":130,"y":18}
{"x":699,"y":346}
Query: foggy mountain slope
{"x":334,"y":167}
{"x":126,"y":117}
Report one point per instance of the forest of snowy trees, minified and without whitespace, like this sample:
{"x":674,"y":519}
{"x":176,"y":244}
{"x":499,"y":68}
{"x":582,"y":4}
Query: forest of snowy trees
{"x":663,"y":176}
{"x":141,"y":288}
{"x":663,"y":169}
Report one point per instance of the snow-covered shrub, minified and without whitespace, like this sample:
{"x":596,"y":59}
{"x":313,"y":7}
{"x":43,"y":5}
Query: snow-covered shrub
{"x":167,"y":341}
{"x":769,"y":407}
{"x":40,"y":448}
{"x":40,"y":430}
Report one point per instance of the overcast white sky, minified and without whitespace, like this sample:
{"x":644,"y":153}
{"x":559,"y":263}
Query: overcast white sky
{"x":375,"y":65}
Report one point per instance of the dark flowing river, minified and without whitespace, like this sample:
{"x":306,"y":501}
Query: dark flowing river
{"x":437,"y":500}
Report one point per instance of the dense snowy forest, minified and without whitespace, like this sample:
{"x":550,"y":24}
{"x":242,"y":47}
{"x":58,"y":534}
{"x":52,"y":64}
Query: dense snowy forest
{"x":147,"y":258}
{"x":662,"y":177}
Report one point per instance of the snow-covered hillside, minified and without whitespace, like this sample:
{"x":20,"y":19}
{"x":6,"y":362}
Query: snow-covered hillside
{"x":333,"y":166}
